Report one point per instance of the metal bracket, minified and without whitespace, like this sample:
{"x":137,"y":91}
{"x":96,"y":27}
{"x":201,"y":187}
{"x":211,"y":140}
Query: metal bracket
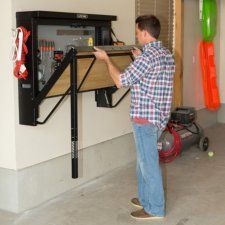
{"x":103,"y":97}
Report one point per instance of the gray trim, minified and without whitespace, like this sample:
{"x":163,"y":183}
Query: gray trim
{"x":221,"y":114}
{"x":206,"y":118}
{"x":8,"y":190}
{"x":29,"y":187}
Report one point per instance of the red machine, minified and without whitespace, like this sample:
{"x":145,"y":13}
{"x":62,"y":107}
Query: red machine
{"x":181,"y":133}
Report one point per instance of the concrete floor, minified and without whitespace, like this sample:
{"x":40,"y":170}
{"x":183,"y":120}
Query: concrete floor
{"x":194,"y":185}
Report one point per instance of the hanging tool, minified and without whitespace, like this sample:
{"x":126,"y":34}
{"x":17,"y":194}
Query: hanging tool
{"x":20,"y":52}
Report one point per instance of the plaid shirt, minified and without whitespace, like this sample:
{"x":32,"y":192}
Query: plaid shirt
{"x":150,"y":77}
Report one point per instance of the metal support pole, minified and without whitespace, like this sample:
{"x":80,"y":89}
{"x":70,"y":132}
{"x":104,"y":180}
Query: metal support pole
{"x":74,"y":120}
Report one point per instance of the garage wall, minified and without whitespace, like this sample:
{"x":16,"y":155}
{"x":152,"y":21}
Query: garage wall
{"x":96,"y":125}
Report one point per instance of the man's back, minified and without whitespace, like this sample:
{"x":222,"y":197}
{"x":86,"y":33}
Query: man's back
{"x":150,"y":78}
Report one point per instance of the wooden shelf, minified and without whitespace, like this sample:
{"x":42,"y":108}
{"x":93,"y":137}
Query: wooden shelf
{"x":98,"y":76}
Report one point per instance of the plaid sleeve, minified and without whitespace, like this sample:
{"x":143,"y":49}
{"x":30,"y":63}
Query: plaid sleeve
{"x":135,"y":71}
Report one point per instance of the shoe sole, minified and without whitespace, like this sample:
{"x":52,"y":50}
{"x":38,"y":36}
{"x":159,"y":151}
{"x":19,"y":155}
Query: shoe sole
{"x":137,"y":206}
{"x":149,"y":218}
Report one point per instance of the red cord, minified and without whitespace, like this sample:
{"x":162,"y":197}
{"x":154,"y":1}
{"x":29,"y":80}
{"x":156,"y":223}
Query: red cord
{"x":170,"y":154}
{"x":20,"y":70}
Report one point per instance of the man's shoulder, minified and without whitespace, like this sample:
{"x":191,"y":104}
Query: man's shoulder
{"x":158,"y":52}
{"x":151,"y":52}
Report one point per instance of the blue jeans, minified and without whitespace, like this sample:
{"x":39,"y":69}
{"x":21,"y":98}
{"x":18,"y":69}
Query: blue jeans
{"x":149,"y":177}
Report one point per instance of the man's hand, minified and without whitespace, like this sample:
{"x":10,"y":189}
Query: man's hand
{"x":136,"y":52}
{"x":100,"y":54}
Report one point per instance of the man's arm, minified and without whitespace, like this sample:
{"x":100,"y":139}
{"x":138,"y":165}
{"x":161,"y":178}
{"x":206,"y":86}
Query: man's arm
{"x":113,"y":70}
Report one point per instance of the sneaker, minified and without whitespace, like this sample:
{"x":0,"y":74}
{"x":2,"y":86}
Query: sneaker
{"x":142,"y":215}
{"x":136,"y":202}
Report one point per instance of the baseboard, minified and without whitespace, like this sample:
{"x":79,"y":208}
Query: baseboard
{"x":206,"y":118}
{"x":8,"y":190}
{"x":29,"y":187}
{"x":221,"y":114}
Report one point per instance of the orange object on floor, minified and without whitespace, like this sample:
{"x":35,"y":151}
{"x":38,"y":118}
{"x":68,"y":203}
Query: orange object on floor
{"x":209,"y":78}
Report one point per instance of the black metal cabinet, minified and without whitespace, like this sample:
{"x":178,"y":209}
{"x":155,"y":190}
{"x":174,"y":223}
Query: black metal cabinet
{"x":99,"y":26}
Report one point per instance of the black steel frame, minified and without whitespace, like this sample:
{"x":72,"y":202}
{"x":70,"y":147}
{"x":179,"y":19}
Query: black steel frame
{"x":73,"y":90}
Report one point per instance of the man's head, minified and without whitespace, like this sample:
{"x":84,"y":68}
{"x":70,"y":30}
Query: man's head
{"x":147,"y":29}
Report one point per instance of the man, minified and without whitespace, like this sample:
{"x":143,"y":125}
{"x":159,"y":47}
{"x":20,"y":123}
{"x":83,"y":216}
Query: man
{"x":150,"y":78}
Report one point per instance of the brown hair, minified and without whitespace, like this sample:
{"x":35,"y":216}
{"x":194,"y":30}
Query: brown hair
{"x":150,"y":23}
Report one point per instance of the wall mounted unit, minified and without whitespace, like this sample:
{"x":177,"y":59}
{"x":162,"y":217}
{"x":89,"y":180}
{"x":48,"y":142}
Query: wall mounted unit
{"x":61,"y":62}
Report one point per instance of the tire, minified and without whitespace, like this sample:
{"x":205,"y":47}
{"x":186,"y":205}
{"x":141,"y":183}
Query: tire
{"x":204,"y":144}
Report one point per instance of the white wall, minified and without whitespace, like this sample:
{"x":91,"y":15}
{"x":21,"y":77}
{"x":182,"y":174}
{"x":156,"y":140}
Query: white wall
{"x":192,"y":79}
{"x":7,"y":119}
{"x":41,"y":143}
{"x":192,"y":87}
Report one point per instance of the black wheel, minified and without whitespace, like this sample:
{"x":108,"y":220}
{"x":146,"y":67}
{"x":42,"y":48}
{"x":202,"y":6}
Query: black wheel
{"x":204,"y":144}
